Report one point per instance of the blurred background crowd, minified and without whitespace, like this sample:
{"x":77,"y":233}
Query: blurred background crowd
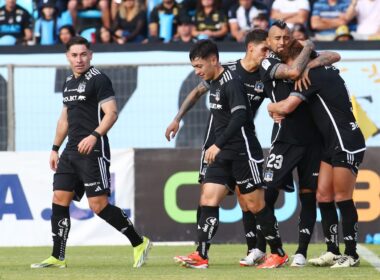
{"x":49,"y":22}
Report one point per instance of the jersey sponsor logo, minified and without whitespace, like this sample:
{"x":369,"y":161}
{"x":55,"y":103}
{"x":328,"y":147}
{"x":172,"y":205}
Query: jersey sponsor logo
{"x":81,"y":87}
{"x":253,"y":97}
{"x":249,"y":185}
{"x":265,"y":64}
{"x":81,"y":98}
{"x":70,"y":98}
{"x":244,"y":181}
{"x":98,"y":189}
{"x":216,"y":106}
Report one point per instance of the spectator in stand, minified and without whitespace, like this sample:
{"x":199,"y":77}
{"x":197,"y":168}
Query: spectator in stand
{"x":130,"y":23}
{"x":299,"y":32}
{"x":83,"y":5}
{"x":163,"y":21}
{"x":327,"y":16}
{"x":185,"y":27}
{"x":46,"y":27}
{"x":59,"y":5}
{"x":210,"y":22}
{"x":367,"y":13}
{"x":240,"y":18}
{"x":66,"y":32}
{"x":343,"y":34}
{"x":261,"y":21}
{"x":104,"y":35}
{"x":291,"y":11}
{"x":15,"y":24}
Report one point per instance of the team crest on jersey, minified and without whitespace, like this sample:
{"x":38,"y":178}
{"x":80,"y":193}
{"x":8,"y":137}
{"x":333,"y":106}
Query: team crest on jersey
{"x":217,"y":95}
{"x":81,"y":87}
{"x":268,"y":175}
{"x":259,"y":86}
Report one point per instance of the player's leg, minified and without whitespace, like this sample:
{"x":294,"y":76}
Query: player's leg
{"x":96,"y":177}
{"x":325,"y":198}
{"x":249,"y":222}
{"x":214,"y":190}
{"x":344,"y":180}
{"x":65,"y":181}
{"x":248,"y":174}
{"x":308,"y":171}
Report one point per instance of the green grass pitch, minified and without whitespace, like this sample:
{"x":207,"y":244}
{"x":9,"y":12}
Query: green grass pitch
{"x":115,"y":262}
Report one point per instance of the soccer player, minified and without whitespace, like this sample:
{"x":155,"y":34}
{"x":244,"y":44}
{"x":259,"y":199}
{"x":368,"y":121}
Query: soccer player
{"x":89,"y":111}
{"x":248,"y":71}
{"x":295,"y":140}
{"x":343,"y":151}
{"x":236,"y":153}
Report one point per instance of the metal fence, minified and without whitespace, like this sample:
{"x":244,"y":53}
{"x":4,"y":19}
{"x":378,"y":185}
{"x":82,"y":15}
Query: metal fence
{"x":148,"y":97}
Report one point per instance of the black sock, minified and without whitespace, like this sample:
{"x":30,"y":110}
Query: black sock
{"x":60,"y":225}
{"x":271,"y":196}
{"x":119,"y":220}
{"x":306,"y":223}
{"x":349,"y":216}
{"x":269,"y":228}
{"x":330,"y":226}
{"x":249,"y":223}
{"x":207,"y":227}
{"x":261,"y":244}
{"x":199,"y":212}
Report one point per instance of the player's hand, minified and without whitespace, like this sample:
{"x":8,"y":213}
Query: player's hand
{"x":303,"y":82}
{"x":171,"y":130}
{"x":277,"y":118}
{"x":211,"y":154}
{"x":53,"y":161}
{"x":87,"y":144}
{"x":308,"y":43}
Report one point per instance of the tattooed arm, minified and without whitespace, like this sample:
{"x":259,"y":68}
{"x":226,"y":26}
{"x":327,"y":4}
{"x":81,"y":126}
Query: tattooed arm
{"x":324,"y":59}
{"x":295,"y":70}
{"x":187,"y":104}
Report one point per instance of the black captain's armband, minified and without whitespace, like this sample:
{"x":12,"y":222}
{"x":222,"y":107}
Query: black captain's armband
{"x":55,"y":148}
{"x":96,"y":134}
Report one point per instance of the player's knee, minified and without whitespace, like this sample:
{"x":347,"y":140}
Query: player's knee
{"x":255,"y":206}
{"x":325,"y":196}
{"x":97,"y":206}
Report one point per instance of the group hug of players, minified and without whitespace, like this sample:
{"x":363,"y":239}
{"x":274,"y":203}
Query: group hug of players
{"x":314,"y":132}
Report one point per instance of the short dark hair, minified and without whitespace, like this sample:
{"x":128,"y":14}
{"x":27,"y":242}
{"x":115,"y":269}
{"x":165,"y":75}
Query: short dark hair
{"x":203,"y":49}
{"x":280,"y":24}
{"x":256,"y":36}
{"x":77,"y":40}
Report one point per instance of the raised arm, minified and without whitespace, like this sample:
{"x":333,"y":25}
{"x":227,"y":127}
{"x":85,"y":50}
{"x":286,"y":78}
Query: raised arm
{"x":325,"y":58}
{"x":186,"y":105}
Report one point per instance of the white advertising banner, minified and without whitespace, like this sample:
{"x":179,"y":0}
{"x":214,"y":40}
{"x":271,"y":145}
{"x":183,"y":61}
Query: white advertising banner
{"x":26,"y":195}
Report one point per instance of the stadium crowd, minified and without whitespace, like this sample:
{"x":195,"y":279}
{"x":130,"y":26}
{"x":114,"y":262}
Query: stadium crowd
{"x":49,"y":22}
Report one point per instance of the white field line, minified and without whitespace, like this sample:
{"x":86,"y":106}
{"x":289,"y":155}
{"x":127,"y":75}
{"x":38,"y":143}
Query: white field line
{"x":369,"y":256}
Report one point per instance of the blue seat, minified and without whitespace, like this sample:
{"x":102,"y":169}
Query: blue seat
{"x":89,"y":14}
{"x":166,"y":26}
{"x":87,"y":33}
{"x":7,"y":40}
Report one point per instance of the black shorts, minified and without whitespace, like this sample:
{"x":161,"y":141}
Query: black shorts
{"x":247,"y":174}
{"x":282,"y":160}
{"x":340,"y":158}
{"x":82,"y":173}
